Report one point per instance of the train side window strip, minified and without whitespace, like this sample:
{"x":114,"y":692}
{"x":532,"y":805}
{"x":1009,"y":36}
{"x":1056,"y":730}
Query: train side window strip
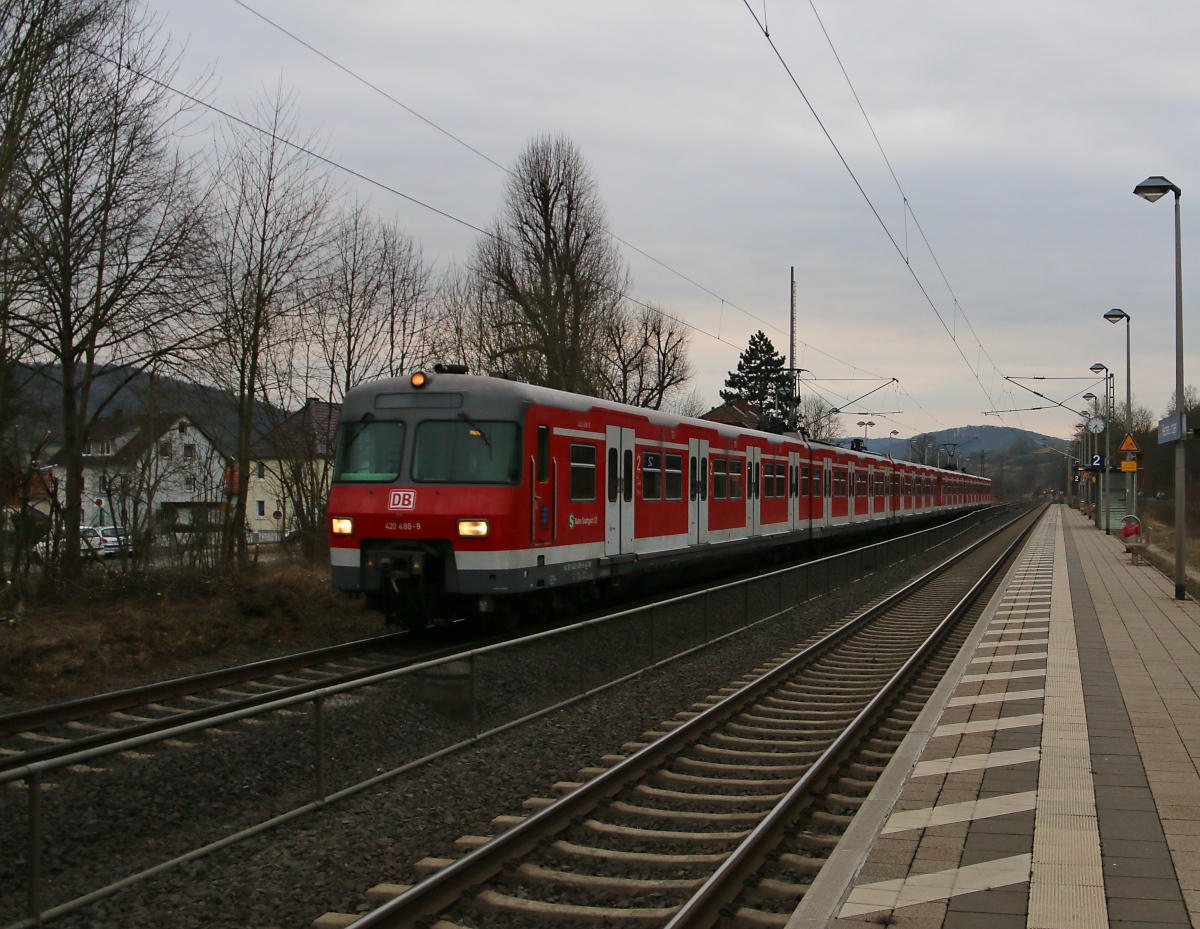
{"x":693,"y":480}
{"x":543,"y":453}
{"x":613,"y":475}
{"x":735,"y":479}
{"x":583,"y":472}
{"x":704,"y":478}
{"x":627,"y":477}
{"x":673,"y":477}
{"x":651,"y":475}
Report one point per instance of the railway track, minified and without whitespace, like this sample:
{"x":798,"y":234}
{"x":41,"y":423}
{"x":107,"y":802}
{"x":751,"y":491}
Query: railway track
{"x":45,"y":733}
{"x":726,"y":814}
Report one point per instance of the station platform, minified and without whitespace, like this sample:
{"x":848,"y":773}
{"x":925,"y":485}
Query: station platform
{"x":1052,"y":779}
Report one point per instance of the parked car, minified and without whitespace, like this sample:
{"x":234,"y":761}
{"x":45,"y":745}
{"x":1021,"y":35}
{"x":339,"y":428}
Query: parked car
{"x":94,"y":541}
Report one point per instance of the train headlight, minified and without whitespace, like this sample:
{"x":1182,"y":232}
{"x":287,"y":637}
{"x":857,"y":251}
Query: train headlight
{"x":342,"y":525}
{"x":419,"y":379}
{"x":472,"y":528}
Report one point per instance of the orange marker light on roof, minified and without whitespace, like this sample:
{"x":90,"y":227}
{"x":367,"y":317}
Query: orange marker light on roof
{"x":418,"y":379}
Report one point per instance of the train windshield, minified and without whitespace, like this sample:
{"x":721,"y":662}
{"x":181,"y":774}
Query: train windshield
{"x":369,"y":452}
{"x":465,"y":451}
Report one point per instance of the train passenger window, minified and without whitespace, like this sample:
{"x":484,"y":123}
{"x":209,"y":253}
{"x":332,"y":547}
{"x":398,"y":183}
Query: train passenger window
{"x":467,"y":451}
{"x":627,"y":483}
{"x":720,"y":491}
{"x":768,"y":479}
{"x":543,"y":453}
{"x":651,"y":475}
{"x":804,"y":482}
{"x":368,"y":452}
{"x":704,"y":478}
{"x":673,"y":477}
{"x":794,"y":480}
{"x":735,"y":479}
{"x":613,"y":475}
{"x":780,"y":480}
{"x":840,"y":482}
{"x":860,"y":484}
{"x":583,"y":472}
{"x":693,"y":489}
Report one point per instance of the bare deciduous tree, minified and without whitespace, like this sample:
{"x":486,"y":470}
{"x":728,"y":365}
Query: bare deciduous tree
{"x":553,"y":274}
{"x":644,"y":358}
{"x":111,"y":230}
{"x":818,"y":419}
{"x":272,"y":226}
{"x":371,"y":310}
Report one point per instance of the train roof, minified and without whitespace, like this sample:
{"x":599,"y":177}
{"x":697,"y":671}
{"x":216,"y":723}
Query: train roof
{"x":501,"y":398}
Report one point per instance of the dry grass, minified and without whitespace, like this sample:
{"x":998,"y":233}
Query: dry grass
{"x":117,"y":631}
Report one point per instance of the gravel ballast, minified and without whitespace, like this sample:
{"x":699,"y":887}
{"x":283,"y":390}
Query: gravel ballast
{"x":107,"y":824}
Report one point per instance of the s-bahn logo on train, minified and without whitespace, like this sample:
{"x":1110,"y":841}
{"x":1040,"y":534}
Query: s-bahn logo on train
{"x":402,"y":500}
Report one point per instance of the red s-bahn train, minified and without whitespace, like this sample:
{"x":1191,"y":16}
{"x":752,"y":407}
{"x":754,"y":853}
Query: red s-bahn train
{"x":454,"y":493}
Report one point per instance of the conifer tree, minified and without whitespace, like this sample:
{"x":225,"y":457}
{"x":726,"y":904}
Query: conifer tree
{"x":761,"y":379}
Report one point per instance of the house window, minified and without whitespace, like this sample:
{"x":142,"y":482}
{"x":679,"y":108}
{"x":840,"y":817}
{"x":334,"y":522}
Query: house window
{"x":583,"y":472}
{"x":189,"y":483}
{"x":261,"y":506}
{"x":260,"y":470}
{"x":183,"y":428}
{"x":651,"y":475}
{"x":189,"y":451}
{"x":164,"y":449}
{"x":674,"y":477}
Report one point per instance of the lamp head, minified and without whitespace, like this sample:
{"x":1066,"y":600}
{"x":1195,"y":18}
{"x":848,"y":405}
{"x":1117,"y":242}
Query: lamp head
{"x":1115,"y":315}
{"x":1154,"y":187}
{"x":1097,"y":368}
{"x":1089,"y":396}
{"x":861,"y":423}
{"x":869,"y":423}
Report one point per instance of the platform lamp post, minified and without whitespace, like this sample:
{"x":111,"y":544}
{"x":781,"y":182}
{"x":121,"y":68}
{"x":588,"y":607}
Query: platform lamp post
{"x":1091,"y":442}
{"x":1151,"y":189}
{"x":1115,"y":316}
{"x":1105,"y":496}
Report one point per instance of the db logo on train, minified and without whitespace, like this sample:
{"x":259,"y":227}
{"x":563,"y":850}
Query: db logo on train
{"x":402,"y":500}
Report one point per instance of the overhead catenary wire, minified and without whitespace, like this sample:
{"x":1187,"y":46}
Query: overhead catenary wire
{"x":871,"y":205}
{"x":450,"y":135}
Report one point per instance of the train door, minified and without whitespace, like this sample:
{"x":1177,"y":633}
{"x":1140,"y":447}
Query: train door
{"x":697,"y":491}
{"x":543,"y":491}
{"x":753,"y":490}
{"x":827,"y":490}
{"x":618,"y":506}
{"x":793,"y":491}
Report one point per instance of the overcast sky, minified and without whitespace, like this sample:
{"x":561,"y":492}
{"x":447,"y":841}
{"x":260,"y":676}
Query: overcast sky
{"x":1016,"y":130}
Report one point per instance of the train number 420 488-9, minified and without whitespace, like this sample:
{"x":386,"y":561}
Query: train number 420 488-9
{"x":402,"y":527}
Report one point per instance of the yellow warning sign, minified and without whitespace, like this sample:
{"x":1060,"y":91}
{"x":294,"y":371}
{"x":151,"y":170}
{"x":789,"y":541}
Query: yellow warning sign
{"x":1129,"y":466}
{"x":1129,"y":445}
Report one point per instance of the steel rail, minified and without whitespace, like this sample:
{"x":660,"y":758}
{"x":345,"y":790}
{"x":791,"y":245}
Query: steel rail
{"x":443,"y":888}
{"x":99,"y":704}
{"x":25,"y":720}
{"x":96,"y":740}
{"x":703,"y":909}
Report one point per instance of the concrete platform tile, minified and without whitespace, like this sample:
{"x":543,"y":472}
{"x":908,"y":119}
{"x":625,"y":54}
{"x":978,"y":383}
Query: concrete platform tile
{"x":1123,"y":908}
{"x":1142,"y":888}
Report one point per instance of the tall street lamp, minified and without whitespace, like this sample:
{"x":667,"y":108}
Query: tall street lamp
{"x":1104,"y":488}
{"x":1151,"y":189}
{"x":1114,"y":316}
